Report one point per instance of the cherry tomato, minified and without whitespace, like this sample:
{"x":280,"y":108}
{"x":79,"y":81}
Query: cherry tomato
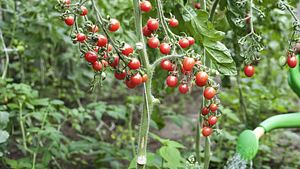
{"x":120,"y":75}
{"x":145,"y":6}
{"x":145,"y":78}
{"x":90,"y":57}
{"x":127,"y":50}
{"x":165,"y":48}
{"x":204,"y":111}
{"x":114,"y":61}
{"x":166,"y":65}
{"x":197,"y":5}
{"x":146,"y":31}
{"x":109,"y":48}
{"x":209,"y":93}
{"x":134,"y":64}
{"x":94,"y":28}
{"x":206,"y":131}
{"x":136,"y":79}
{"x":292,"y":61}
{"x":114,"y":25}
{"x":201,"y":79}
{"x":173,"y":22}
{"x":191,"y":40}
{"x":129,"y":84}
{"x":104,"y":63}
{"x":183,"y":88}
{"x":184,"y":43}
{"x":80,"y":37}
{"x":152,"y":24}
{"x":188,"y":63}
{"x":153,"y":42}
{"x":84,"y":11}
{"x":67,"y":2}
{"x":213,"y":107}
{"x":183,"y":71}
{"x":212,"y":120}
{"x":69,"y":20}
{"x":172,"y":81}
{"x":97,"y":66}
{"x":102,"y":41}
{"x":249,"y":70}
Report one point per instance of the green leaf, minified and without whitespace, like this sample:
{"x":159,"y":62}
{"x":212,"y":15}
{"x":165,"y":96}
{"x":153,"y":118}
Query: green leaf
{"x":4,"y":118}
{"x":3,"y":136}
{"x":172,"y":157}
{"x":57,"y":102}
{"x":218,"y":51}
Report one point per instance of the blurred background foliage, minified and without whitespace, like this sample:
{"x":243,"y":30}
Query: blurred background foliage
{"x":49,"y":119}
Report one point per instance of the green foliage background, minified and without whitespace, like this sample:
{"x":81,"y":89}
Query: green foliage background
{"x":46,"y":94}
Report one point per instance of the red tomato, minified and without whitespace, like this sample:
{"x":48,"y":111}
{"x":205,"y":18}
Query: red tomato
{"x":213,"y":107}
{"x":166,"y":65}
{"x":153,"y":42}
{"x":69,"y":20}
{"x":136,"y":79}
{"x":184,"y":43}
{"x":191,"y":40}
{"x":90,"y":57}
{"x":134,"y":64}
{"x":146,"y":31}
{"x":197,"y":5}
{"x":206,"y":131}
{"x":102,"y":41}
{"x":209,"y":93}
{"x":212,"y":120}
{"x":188,"y":63}
{"x":292,"y":61}
{"x":249,"y":70}
{"x":172,"y":81}
{"x":165,"y":48}
{"x":80,"y":37}
{"x":145,"y":78}
{"x":127,"y":50}
{"x":152,"y":24}
{"x":204,"y":111}
{"x":145,"y":6}
{"x":129,"y":84}
{"x":97,"y":66}
{"x":173,"y":22}
{"x":84,"y":11}
{"x":114,"y":25}
{"x":201,"y":79}
{"x":120,"y":75}
{"x":114,"y":61}
{"x":183,"y":88}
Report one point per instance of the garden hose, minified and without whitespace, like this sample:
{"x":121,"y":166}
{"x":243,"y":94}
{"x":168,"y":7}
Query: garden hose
{"x":294,"y":77}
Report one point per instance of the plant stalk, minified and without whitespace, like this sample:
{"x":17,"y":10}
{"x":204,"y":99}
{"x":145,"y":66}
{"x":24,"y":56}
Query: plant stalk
{"x":207,"y":153}
{"x":148,"y":98}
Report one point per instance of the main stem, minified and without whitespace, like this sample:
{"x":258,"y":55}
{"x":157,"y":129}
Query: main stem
{"x":148,"y":99}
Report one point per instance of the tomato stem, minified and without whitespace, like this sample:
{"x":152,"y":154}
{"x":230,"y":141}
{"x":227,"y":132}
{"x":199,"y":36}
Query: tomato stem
{"x":6,"y":56}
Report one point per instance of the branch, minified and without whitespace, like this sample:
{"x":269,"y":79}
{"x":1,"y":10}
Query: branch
{"x":157,"y":62}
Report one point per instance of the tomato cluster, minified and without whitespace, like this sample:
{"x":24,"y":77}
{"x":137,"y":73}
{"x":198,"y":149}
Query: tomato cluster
{"x":99,"y":50}
{"x":102,"y":53}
